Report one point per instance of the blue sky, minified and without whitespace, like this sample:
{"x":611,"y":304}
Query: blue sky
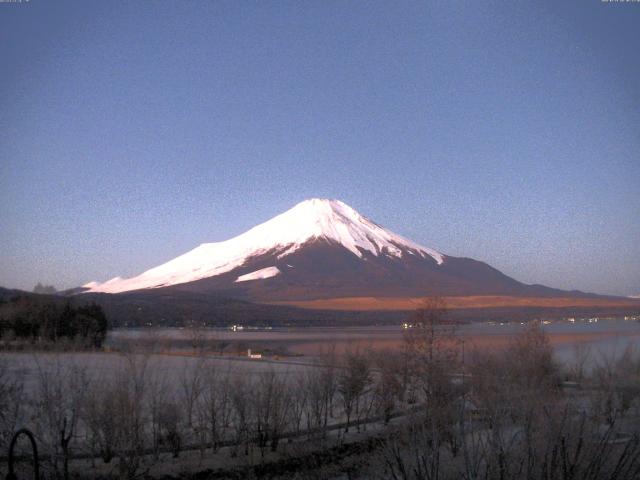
{"x":131,"y":132}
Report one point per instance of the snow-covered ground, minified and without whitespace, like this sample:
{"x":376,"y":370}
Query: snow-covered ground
{"x":173,"y":368}
{"x":259,"y":274}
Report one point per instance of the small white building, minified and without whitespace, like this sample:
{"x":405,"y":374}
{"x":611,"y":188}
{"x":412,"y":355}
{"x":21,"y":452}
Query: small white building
{"x":256,"y":355}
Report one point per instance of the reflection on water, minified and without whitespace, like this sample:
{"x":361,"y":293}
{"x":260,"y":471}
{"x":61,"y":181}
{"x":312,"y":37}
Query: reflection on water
{"x":605,"y":337}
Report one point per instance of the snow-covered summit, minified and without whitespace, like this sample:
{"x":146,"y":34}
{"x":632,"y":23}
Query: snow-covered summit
{"x":337,"y":221}
{"x":330,"y":220}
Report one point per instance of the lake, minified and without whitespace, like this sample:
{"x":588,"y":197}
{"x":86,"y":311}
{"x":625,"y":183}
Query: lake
{"x":602,"y":337}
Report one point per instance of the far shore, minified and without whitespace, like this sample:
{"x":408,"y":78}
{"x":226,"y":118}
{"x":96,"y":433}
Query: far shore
{"x":460,"y":302}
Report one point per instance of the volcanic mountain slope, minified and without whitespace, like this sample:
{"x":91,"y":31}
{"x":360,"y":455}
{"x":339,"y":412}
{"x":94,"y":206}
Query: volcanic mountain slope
{"x":323,"y":249}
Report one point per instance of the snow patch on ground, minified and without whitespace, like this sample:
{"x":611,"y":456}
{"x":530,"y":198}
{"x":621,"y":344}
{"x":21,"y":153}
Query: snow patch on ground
{"x":259,"y":274}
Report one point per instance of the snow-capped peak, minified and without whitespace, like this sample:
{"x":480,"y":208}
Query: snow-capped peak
{"x":337,"y":221}
{"x":311,"y":219}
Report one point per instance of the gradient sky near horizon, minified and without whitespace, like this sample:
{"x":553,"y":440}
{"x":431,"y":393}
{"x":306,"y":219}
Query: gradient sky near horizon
{"x":133,"y":131}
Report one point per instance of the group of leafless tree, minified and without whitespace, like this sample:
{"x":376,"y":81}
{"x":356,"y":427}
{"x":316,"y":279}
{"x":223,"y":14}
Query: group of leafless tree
{"x":133,"y":413}
{"x":436,"y":412}
{"x":512,"y":414}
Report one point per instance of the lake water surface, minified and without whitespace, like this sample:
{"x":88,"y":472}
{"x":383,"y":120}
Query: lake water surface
{"x":605,"y":337}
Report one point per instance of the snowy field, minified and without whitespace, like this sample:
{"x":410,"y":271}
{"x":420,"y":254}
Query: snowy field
{"x":173,"y":369}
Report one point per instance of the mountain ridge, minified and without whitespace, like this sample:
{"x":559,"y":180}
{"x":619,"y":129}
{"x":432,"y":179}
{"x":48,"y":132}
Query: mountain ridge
{"x":307,"y":221}
{"x":322,"y":249}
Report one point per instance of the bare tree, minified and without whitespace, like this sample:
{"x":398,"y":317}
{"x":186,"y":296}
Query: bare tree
{"x":191,"y":389}
{"x":299,"y":395}
{"x":270,"y":405}
{"x":321,"y":383}
{"x":413,"y":453}
{"x":59,"y":400}
{"x":157,"y":400}
{"x":531,"y":358}
{"x":517,"y":425}
{"x":431,"y":353}
{"x":11,"y":402}
{"x":388,"y":383}
{"x":99,"y":420}
{"x":169,"y":427}
{"x":241,"y":394}
{"x":581,"y":358}
{"x":316,"y":411}
{"x":198,"y":337}
{"x":116,"y":415}
{"x":560,"y":443}
{"x":215,"y":405}
{"x":129,"y":390}
{"x":353,"y":381}
{"x":615,"y":384}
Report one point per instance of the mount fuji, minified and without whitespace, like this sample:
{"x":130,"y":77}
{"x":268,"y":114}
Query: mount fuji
{"x":322,"y":249}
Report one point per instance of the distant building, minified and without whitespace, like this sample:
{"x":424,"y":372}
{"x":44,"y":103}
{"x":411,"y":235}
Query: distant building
{"x":255,"y":355}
